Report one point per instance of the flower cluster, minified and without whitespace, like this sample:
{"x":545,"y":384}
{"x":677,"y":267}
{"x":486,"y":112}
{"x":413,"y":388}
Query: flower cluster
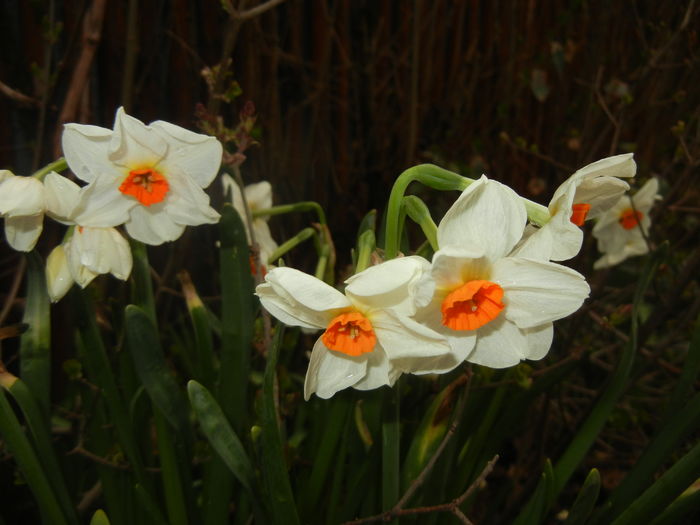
{"x":489,"y":296}
{"x":150,"y":179}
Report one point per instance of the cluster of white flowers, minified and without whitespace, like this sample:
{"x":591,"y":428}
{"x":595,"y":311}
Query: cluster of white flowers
{"x":150,"y":179}
{"x":489,"y":296}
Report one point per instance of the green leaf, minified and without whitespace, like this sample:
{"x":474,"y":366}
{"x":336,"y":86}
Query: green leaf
{"x":149,"y":361}
{"x":662,"y":493}
{"x":279,"y":490}
{"x":220,"y":434}
{"x":585,"y":501}
{"x":99,"y":518}
{"x":237,"y":316}
{"x":35,"y":348}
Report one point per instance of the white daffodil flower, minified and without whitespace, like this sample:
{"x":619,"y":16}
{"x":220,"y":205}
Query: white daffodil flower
{"x":370,"y":338}
{"x":621,"y":230}
{"x":586,"y":194}
{"x":495,"y":310}
{"x":259,"y":197}
{"x":88,"y":251}
{"x":148,"y":177}
{"x":22,"y":204}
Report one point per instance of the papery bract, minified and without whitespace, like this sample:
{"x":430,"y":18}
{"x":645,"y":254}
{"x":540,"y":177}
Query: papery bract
{"x":22,"y":204}
{"x":585,"y":195}
{"x":370,"y":338}
{"x":148,"y":177}
{"x":495,"y":310}
{"x":620,"y":231}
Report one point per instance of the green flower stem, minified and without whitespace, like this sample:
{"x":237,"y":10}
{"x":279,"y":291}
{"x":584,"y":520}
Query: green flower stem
{"x":537,"y":213}
{"x":142,"y":286}
{"x":290,"y":244}
{"x":58,"y":165}
{"x":293,"y":208}
{"x":417,"y":210}
{"x":428,"y":174}
{"x":322,"y":263}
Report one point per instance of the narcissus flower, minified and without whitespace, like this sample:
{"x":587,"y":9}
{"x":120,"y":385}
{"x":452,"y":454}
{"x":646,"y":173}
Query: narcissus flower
{"x":148,"y":177}
{"x":585,"y":195}
{"x":259,"y":197}
{"x":22,"y":204}
{"x":369,"y":338}
{"x":88,"y":251}
{"x":494,"y":309}
{"x":621,"y":230}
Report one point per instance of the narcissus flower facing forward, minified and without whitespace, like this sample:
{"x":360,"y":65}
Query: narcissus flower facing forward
{"x":259,"y":197}
{"x":495,"y":310}
{"x":369,"y":338}
{"x":88,"y":251}
{"x":150,"y":178}
{"x":619,"y":231}
{"x":22,"y":204}
{"x":586,"y":195}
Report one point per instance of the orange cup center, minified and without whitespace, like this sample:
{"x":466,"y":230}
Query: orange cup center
{"x":472,"y":305}
{"x":351,"y":334}
{"x":146,"y":185}
{"x":630,"y":218}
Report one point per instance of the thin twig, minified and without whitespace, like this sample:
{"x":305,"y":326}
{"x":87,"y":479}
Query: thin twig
{"x":14,"y":288}
{"x":15,"y":95}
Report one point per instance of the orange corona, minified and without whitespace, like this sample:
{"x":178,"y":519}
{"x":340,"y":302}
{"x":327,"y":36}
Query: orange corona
{"x":351,"y":334}
{"x":579,"y":212}
{"x":630,"y":218}
{"x":146,"y":185}
{"x":472,"y":305}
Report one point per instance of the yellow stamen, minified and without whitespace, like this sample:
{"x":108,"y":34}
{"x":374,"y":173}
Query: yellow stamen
{"x":351,"y":334}
{"x":472,"y":305}
{"x":147,"y":185}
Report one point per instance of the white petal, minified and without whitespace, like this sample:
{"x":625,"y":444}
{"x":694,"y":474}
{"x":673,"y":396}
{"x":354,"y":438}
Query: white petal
{"x":152,"y":226}
{"x":404,"y":338}
{"x":487,"y":215}
{"x":102,"y":205}
{"x":86,"y":149}
{"x":537,"y":243}
{"x":499,"y":344}
{"x":23,"y":232}
{"x":380,"y":371}
{"x":266,"y":243}
{"x":537,"y":292}
{"x":452,"y":267}
{"x":133,"y":144}
{"x":647,"y":194}
{"x":73,"y":248}
{"x":21,"y":196}
{"x":401,"y":284}
{"x":299,"y":299}
{"x":186,"y":203}
{"x":197,"y":155}
{"x":259,"y":195}
{"x":62,"y":197}
{"x":601,"y":193}
{"x":539,"y":340}
{"x":103,"y":250}
{"x":331,"y":371}
{"x":616,"y":166}
{"x":58,"y":277}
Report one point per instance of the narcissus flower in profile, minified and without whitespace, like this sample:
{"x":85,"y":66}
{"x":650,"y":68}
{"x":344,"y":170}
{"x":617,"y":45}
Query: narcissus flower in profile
{"x":88,"y":251}
{"x":620,"y":231}
{"x":369,"y":337}
{"x":585,"y":195}
{"x":494,"y":309}
{"x":259,"y":197}
{"x":22,"y":204}
{"x":148,"y":177}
